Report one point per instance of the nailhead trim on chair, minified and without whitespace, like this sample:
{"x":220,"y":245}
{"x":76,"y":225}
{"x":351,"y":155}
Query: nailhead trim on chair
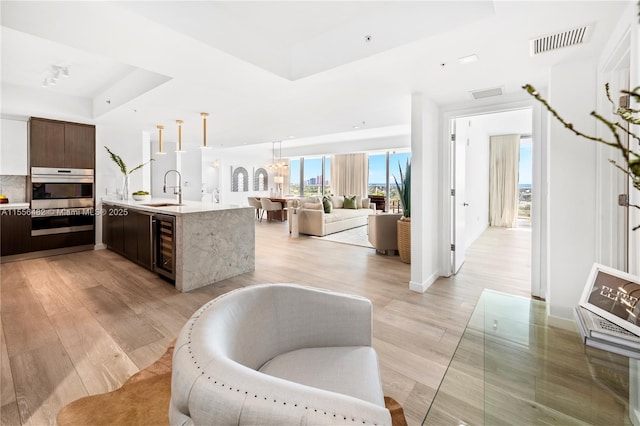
{"x":197,"y":316}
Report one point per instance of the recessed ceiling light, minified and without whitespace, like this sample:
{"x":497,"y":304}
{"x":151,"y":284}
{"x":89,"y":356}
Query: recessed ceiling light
{"x":355,"y":127}
{"x":291,"y":136}
{"x":468,"y":59}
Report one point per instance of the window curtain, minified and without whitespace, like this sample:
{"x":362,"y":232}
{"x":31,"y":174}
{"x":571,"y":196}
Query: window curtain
{"x":350,"y":174}
{"x":503,"y":180}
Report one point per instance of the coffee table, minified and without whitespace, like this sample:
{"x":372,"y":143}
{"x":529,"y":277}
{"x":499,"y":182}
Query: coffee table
{"x":511,"y":367}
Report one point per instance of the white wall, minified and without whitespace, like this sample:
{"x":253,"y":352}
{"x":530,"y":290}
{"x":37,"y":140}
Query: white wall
{"x":425,"y":186}
{"x":161,"y":164}
{"x":190,"y":166}
{"x":220,"y":178}
{"x":572,"y":187}
{"x":129,"y":145}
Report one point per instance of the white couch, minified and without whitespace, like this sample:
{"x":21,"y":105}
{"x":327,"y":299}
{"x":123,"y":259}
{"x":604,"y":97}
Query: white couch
{"x":313,"y":220}
{"x":278,"y":354}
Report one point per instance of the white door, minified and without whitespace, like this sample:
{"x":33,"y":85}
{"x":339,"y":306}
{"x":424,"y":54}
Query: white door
{"x":458,"y":195}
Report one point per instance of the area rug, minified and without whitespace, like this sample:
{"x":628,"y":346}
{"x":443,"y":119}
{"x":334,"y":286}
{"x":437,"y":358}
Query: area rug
{"x":355,"y":237}
{"x":144,"y":400}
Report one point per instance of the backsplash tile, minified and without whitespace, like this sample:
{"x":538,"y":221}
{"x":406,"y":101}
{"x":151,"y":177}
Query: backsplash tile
{"x":14,"y":187}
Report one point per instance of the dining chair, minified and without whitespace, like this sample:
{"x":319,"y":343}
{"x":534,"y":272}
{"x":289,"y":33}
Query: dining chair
{"x":271,"y":207}
{"x":255,"y":203}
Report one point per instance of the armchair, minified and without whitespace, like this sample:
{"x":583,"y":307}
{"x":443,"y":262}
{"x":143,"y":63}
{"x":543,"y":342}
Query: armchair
{"x":278,"y":354}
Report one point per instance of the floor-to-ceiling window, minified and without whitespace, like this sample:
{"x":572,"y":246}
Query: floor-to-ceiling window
{"x":378,"y":174}
{"x":327,"y":175}
{"x":294,"y":177}
{"x":382,"y":169}
{"x":397,"y":161}
{"x":524,"y":183}
{"x":312,"y":178}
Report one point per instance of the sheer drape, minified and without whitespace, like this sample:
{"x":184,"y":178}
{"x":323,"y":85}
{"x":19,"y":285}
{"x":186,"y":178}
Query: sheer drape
{"x":503,"y":180}
{"x":349,"y":174}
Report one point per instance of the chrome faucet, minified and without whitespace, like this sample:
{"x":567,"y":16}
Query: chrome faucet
{"x":177,"y":190}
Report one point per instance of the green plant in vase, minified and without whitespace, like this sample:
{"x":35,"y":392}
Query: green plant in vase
{"x":404,"y":189}
{"x":125,"y":171}
{"x":404,"y":224}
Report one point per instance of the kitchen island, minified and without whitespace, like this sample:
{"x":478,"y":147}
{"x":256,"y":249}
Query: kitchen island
{"x":207,"y":242}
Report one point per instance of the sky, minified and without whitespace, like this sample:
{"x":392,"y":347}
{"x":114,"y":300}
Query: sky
{"x":525,"y":164}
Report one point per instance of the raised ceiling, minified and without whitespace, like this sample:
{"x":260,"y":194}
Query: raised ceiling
{"x":266,"y":71}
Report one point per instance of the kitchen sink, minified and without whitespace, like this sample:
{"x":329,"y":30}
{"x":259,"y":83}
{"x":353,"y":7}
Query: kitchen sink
{"x":163,"y":205}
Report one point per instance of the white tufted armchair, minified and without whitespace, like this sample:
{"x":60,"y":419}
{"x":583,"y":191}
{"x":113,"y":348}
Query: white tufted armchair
{"x":278,"y":354}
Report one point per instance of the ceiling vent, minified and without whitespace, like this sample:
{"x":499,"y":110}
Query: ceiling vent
{"x":559,"y":40}
{"x":486,"y":93}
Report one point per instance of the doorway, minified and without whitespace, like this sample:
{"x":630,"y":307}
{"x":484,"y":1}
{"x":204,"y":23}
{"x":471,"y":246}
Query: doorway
{"x":470,"y":169}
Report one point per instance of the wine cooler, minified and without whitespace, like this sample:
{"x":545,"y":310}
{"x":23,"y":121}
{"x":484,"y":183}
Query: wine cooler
{"x":165,"y":246}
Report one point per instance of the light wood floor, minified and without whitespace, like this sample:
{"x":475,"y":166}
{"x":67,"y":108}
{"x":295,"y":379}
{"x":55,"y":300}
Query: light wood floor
{"x":80,"y":324}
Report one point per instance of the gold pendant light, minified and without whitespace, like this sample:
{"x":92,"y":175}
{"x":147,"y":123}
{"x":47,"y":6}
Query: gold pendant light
{"x":160,"y":139}
{"x":179,"y":136}
{"x":204,"y":116}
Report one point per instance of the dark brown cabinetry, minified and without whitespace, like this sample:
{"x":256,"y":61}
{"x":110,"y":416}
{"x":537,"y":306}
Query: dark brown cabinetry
{"x":129,"y":232}
{"x":61,"y":144}
{"x":15,"y":232}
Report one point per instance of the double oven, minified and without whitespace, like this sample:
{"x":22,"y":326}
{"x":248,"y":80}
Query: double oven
{"x":62,"y":201}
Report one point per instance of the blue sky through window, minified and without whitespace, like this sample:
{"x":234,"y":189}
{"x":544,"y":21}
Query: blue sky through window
{"x":525,"y":164}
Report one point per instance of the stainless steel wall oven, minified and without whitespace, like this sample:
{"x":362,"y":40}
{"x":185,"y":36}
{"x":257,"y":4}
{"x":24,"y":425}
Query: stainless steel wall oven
{"x":62,"y":207}
{"x":56,"y":188}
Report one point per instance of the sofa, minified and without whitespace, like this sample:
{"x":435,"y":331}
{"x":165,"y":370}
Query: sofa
{"x":313,"y":219}
{"x":278,"y":354}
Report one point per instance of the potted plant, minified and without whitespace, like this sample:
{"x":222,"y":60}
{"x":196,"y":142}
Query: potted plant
{"x":404,"y":224}
{"x":125,"y":172}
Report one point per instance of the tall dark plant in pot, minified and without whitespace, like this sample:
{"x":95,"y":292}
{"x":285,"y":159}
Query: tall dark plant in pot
{"x":404,"y":224}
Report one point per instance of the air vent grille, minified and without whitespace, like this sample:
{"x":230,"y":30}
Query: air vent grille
{"x":486,"y":93}
{"x":558,"y":40}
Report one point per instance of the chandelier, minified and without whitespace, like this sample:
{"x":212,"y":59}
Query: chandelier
{"x":279,"y":163}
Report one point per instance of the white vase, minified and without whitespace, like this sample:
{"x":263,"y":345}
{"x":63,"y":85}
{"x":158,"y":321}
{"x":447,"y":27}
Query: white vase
{"x":125,"y":187}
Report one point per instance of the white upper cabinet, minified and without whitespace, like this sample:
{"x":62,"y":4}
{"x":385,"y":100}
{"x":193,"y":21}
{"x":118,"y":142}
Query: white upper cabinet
{"x":13,"y":147}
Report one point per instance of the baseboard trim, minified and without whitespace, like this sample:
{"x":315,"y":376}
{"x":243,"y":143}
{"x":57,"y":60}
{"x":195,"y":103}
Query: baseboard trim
{"x":564,"y":323}
{"x":422,"y":287}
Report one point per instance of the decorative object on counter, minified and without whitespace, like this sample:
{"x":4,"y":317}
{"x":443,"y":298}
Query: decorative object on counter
{"x":4,"y":199}
{"x":404,"y":224}
{"x":141,"y":196}
{"x":125,"y":172}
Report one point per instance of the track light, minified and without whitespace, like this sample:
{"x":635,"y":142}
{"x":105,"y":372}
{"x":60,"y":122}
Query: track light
{"x":53,"y":74}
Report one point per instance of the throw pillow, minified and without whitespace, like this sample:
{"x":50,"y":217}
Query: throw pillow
{"x":365,"y":203}
{"x":338,"y":201}
{"x":327,"y":204}
{"x":350,"y":202}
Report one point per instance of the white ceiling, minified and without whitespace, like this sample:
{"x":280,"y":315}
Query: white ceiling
{"x":266,"y":71}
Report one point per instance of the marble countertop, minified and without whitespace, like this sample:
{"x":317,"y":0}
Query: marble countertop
{"x":11,"y":206}
{"x":177,"y":210}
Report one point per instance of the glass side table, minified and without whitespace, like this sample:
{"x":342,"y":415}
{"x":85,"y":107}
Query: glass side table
{"x":511,"y":368}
